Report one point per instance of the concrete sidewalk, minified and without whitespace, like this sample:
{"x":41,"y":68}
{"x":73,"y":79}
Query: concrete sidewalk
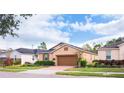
{"x":97,"y":72}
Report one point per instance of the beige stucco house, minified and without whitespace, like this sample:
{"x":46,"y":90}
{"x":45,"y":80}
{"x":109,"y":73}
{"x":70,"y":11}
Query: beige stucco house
{"x":65,"y":54}
{"x":113,"y":52}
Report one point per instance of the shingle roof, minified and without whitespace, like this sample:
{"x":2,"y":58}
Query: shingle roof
{"x":31,"y":51}
{"x":115,"y":45}
{"x":52,"y":49}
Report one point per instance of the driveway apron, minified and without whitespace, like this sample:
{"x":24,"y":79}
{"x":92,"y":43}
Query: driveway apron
{"x":48,"y":71}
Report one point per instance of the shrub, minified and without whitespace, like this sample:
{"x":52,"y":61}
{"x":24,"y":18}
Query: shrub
{"x":110,"y":63}
{"x":17,"y":62}
{"x":44,"y":63}
{"x":1,"y":62}
{"x":25,"y":65}
{"x":83,"y":62}
{"x":96,"y":64}
{"x":90,"y":65}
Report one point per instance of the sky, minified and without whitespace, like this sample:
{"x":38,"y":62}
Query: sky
{"x":76,"y":29}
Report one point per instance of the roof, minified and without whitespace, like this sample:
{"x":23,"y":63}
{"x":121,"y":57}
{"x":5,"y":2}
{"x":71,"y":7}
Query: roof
{"x":31,"y":51}
{"x":115,"y":45}
{"x":79,"y":48}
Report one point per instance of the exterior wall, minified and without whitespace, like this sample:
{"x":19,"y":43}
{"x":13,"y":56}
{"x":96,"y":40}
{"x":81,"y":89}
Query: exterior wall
{"x":58,"y":46}
{"x":89,"y":57}
{"x":13,"y":54}
{"x":2,"y":55}
{"x":121,"y":53}
{"x":102,"y":55}
{"x":71,"y":51}
{"x":114,"y":54}
{"x":40,"y":57}
{"x":27,"y":58}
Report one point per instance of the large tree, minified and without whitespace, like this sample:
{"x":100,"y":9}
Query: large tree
{"x":87,"y":47}
{"x":42,"y":46}
{"x":96,"y":46}
{"x":93,"y":48}
{"x":114,"y":41}
{"x":9,"y":23}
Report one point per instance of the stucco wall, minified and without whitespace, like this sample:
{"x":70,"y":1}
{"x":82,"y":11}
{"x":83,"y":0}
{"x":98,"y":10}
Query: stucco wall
{"x":114,"y":54}
{"x":89,"y":57}
{"x":13,"y":54}
{"x":121,"y":52}
{"x":40,"y":57}
{"x":102,"y":55}
{"x":27,"y":58}
{"x":61,"y":51}
{"x":58,"y":46}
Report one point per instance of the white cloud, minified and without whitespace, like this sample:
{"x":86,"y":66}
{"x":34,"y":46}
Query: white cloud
{"x":103,"y":39}
{"x":109,"y":28}
{"x":35,"y":30}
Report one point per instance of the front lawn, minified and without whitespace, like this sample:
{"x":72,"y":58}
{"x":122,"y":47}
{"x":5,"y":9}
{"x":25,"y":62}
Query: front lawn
{"x":98,"y":72}
{"x":19,"y":68}
{"x":97,"y":69}
{"x":91,"y":74}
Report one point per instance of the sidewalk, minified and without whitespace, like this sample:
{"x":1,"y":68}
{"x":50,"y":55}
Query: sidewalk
{"x":98,"y":72}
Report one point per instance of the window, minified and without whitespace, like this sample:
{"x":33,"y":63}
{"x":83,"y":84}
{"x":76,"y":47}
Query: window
{"x":108,"y":55}
{"x":46,"y":57}
{"x":66,"y":49}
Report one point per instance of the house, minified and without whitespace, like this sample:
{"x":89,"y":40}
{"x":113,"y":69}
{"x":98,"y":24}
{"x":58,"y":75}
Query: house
{"x":64,"y":54}
{"x":24,"y":54}
{"x":112,"y":52}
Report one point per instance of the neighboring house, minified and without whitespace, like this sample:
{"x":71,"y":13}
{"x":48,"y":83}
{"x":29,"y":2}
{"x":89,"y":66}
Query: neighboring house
{"x":113,"y":52}
{"x":65,"y":54}
{"x":14,"y":54}
{"x":26,"y":55}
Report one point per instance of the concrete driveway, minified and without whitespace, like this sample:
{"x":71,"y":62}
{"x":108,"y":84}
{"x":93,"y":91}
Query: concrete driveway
{"x":48,"y":71}
{"x":41,"y":73}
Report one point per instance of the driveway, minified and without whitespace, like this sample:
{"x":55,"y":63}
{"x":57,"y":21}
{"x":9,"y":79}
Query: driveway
{"x":39,"y":73}
{"x":48,"y":71}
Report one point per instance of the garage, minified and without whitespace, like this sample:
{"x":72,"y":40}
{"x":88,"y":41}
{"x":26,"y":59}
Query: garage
{"x":67,"y":60}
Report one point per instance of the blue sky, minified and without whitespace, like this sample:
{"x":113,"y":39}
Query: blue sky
{"x":77,"y":29}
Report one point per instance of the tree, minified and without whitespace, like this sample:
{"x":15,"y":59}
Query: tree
{"x":94,"y":48}
{"x":97,"y":46}
{"x":9,"y":23}
{"x":111,"y":42}
{"x":87,"y":47}
{"x":42,"y":46}
{"x":114,"y":41}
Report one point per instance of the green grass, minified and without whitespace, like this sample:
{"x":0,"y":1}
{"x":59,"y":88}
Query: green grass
{"x":90,"y":74}
{"x":19,"y":68}
{"x":96,"y":69}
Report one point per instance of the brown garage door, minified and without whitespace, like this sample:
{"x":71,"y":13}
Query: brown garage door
{"x":67,"y":60}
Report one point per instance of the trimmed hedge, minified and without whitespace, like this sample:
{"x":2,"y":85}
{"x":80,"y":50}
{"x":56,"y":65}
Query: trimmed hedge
{"x":110,"y":62}
{"x":44,"y":63}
